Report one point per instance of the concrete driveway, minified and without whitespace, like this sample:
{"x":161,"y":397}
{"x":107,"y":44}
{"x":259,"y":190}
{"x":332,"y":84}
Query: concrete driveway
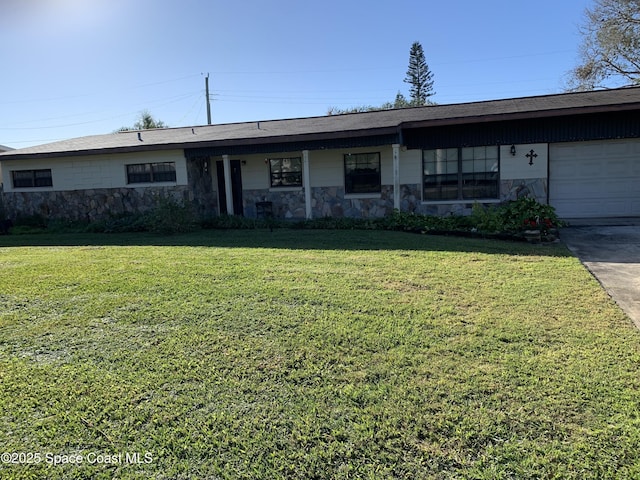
{"x":612,"y":255}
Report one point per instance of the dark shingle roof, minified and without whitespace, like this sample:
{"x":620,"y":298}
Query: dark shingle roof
{"x":339,"y":126}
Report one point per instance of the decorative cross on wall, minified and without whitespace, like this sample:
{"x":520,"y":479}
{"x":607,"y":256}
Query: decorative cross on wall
{"x":531,"y":155}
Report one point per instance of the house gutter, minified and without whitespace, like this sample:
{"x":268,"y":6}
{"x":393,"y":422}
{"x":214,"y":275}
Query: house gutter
{"x":561,"y":112}
{"x":222,"y":143}
{"x":397,"y":130}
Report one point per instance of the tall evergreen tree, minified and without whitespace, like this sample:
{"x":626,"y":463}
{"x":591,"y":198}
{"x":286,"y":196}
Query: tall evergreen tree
{"x":419,"y":76}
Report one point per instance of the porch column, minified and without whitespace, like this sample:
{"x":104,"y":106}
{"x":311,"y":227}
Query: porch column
{"x":306,"y":183}
{"x":226,"y":163}
{"x":396,"y":176}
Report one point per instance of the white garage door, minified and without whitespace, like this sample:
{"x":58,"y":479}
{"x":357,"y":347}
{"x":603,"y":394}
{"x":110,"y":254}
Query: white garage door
{"x":595,"y":179}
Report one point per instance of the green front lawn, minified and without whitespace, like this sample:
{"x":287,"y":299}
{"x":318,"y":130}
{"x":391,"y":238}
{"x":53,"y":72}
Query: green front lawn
{"x":311,"y":354}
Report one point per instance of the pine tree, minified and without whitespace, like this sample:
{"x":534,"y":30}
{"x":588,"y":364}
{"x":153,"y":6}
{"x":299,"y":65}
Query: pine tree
{"x":145,"y":122}
{"x":419,"y":76}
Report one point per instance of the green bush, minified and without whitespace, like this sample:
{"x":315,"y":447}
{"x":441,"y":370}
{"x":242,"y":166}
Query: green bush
{"x":525,"y":213}
{"x":25,"y":230}
{"x":67,"y":226}
{"x":487,"y":218}
{"x":408,"y":221}
{"x":173,"y":216}
{"x":167,"y":217}
{"x":122,"y":223}
{"x":233,"y":222}
{"x":34,"y":221}
{"x":170,"y":216}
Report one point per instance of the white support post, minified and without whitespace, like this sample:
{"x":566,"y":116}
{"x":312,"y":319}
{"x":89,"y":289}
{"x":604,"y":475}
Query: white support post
{"x":306,"y":183}
{"x":227,"y":183}
{"x":396,"y":176}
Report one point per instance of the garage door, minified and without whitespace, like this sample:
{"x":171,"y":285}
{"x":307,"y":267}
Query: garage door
{"x":595,"y":179}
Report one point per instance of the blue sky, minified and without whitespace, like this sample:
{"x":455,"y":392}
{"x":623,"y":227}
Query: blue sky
{"x":81,"y":67}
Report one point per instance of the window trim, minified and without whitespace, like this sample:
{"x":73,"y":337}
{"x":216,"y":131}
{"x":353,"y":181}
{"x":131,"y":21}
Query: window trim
{"x":34,"y":178}
{"x":460,"y":177}
{"x":272,"y":175}
{"x":153,"y":170}
{"x":348,"y":186}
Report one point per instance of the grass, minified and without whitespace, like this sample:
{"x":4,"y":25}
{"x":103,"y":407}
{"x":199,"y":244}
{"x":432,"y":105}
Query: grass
{"x":311,"y":354}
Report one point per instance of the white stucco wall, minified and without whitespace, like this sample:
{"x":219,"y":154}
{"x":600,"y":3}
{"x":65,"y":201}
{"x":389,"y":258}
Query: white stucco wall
{"x":517,"y":166}
{"x":255,"y":172}
{"x":326,"y":166}
{"x":94,"y":171}
{"x":410,"y":166}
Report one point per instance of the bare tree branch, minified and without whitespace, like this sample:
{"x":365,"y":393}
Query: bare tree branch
{"x":610,"y":49}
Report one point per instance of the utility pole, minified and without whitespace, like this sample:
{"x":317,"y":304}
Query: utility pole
{"x":206,"y":84}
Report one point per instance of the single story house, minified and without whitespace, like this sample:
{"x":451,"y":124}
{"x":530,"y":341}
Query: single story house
{"x":3,"y":149}
{"x":580,"y":152}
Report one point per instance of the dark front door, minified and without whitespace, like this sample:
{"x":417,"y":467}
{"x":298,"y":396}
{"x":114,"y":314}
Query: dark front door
{"x":236,"y":187}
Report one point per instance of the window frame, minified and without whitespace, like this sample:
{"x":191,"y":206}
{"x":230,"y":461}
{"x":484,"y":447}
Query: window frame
{"x":274,"y":175}
{"x":153,"y":173}
{"x":349,"y":176}
{"x":35,"y":181}
{"x":465,"y":180}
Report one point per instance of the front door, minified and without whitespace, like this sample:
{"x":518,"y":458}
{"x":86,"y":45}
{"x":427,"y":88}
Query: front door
{"x":236,"y":187}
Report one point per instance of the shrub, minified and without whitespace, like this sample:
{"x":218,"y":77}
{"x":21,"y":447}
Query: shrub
{"x":126,"y":222}
{"x":25,"y":230}
{"x":34,"y":221}
{"x":167,"y":217}
{"x":507,"y":220}
{"x":67,"y":226}
{"x":486,"y":218}
{"x":526,"y":213}
{"x":170,"y":216}
{"x":407,"y":221}
{"x":233,"y":222}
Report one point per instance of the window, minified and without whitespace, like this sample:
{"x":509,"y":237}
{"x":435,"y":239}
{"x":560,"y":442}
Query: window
{"x":285,"y":172}
{"x":362,"y":173}
{"x":469,"y":173}
{"x":440,"y":174}
{"x":32,"y":178}
{"x":151,"y":172}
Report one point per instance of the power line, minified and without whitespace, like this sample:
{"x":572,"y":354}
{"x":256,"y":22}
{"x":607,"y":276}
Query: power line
{"x":155,"y":103}
{"x":84,"y":95}
{"x":367,"y":68}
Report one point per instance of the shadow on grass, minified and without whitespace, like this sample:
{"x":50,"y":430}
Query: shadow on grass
{"x":292,"y":239}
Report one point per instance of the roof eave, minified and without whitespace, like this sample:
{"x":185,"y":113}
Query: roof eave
{"x":524,"y":115}
{"x":204,"y":144}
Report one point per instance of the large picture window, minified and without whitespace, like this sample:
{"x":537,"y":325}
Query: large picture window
{"x":362,"y":173}
{"x":151,"y":172}
{"x":468,"y":173}
{"x":285,"y":172}
{"x":32,"y":178}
